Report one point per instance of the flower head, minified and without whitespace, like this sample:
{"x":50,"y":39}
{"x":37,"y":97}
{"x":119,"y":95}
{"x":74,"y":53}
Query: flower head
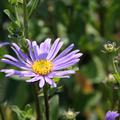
{"x":43,"y":63}
{"x":111,"y":115}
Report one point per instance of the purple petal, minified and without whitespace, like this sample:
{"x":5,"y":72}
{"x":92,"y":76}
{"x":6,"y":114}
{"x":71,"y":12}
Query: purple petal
{"x":52,"y":75}
{"x":65,"y":65}
{"x":37,"y":78}
{"x":17,"y":64}
{"x":3,"y":44}
{"x":36,"y":49}
{"x":61,"y":74}
{"x":68,"y":58}
{"x":65,"y":72}
{"x":64,"y":52}
{"x":11,"y":58}
{"x":20,"y":59}
{"x":52,"y":51}
{"x":41,"y":82}
{"x":32,"y":56}
{"x":45,"y":46}
{"x":42,"y":56}
{"x":55,"y":51}
{"x":66,"y":76}
{"x":29,"y":74}
{"x":11,"y":72}
{"x":42,"y":48}
{"x":50,"y":81}
{"x":111,"y":115}
{"x":24,"y":56}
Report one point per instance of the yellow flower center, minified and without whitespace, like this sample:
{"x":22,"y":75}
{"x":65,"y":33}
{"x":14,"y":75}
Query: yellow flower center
{"x":42,"y":67}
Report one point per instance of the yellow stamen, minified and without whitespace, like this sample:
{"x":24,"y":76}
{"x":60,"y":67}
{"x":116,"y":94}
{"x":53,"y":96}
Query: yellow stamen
{"x":42,"y":67}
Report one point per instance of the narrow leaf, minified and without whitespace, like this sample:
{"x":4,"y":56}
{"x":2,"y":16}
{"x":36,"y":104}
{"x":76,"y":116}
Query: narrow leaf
{"x":8,"y":13}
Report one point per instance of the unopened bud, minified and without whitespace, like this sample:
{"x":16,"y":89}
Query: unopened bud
{"x":109,"y":47}
{"x":71,"y":115}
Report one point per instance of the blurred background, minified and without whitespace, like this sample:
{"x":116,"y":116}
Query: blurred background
{"x":89,"y":24}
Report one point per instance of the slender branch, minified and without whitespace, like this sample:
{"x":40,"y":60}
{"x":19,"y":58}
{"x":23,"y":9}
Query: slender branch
{"x":37,"y":106}
{"x":45,"y":90}
{"x":1,"y":113}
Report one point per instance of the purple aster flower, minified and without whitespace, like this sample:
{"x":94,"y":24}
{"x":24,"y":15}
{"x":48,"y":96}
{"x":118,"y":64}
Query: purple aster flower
{"x":43,"y":63}
{"x":111,"y":115}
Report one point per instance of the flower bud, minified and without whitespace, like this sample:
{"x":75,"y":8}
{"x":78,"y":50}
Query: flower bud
{"x":110,"y":47}
{"x":71,"y":115}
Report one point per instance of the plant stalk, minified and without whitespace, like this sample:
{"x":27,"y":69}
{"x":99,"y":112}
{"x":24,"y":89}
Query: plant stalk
{"x":46,"y":99}
{"x":116,"y":71}
{"x":119,"y":100}
{"x":37,"y":106}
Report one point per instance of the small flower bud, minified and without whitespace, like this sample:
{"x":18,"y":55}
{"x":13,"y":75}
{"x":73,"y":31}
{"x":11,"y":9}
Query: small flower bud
{"x":110,"y":47}
{"x":71,"y":115}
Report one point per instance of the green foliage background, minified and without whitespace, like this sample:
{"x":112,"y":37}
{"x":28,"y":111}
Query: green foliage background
{"x":89,"y":24}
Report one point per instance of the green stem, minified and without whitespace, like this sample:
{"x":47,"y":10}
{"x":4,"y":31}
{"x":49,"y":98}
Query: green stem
{"x":119,"y":108}
{"x":37,"y":106}
{"x":45,"y":90}
{"x":35,"y":87}
{"x":16,"y":13}
{"x":113,"y":96}
{"x":1,"y":113}
{"x":118,"y":99}
{"x":118,"y":87}
{"x":34,"y":5}
{"x":116,"y":71}
{"x":25,"y":17}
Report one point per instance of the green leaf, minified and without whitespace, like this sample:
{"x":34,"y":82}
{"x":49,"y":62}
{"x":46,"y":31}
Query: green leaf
{"x":18,"y":112}
{"x":32,"y":4}
{"x":116,"y":77}
{"x":27,"y":113}
{"x":15,"y":1}
{"x":8,"y":13}
{"x":56,"y":80}
{"x":54,"y":104}
{"x":20,"y":1}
